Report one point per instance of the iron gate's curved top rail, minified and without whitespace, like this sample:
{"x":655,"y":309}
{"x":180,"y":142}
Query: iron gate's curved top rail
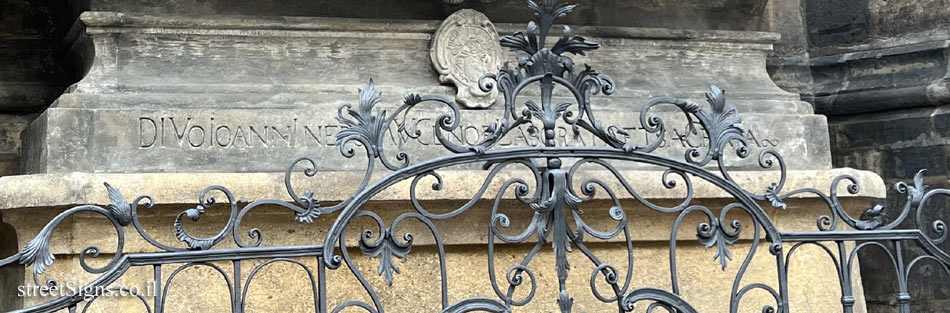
{"x":554,"y":198}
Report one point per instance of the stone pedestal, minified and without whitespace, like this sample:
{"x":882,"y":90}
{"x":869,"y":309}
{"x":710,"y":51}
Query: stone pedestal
{"x":174,"y":103}
{"x":243,"y":94}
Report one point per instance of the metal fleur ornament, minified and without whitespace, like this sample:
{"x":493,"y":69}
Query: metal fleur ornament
{"x":37,"y":253}
{"x":916,"y":192}
{"x":386,"y":248}
{"x":720,"y":124}
{"x":366,"y":125}
{"x":716,"y":235}
{"x":772,"y":194}
{"x":560,"y":197}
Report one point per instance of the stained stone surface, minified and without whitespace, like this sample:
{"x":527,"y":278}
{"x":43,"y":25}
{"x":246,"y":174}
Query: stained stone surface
{"x":10,"y":128}
{"x":62,"y":190}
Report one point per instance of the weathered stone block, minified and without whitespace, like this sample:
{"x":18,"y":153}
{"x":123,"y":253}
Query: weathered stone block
{"x":239,"y":140}
{"x":907,"y":161}
{"x":905,"y":128}
{"x":886,"y":64}
{"x":836,"y":21}
{"x":191,"y":96}
{"x":243,"y":94}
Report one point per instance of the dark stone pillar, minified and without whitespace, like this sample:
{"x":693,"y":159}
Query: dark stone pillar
{"x":10,"y":276}
{"x":896,"y":144}
{"x":35,"y":66}
{"x":880,"y":71}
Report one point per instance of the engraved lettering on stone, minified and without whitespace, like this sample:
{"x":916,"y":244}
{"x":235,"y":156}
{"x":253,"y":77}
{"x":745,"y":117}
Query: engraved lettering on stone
{"x":148,"y":132}
{"x":188,"y":132}
{"x":464,"y":48}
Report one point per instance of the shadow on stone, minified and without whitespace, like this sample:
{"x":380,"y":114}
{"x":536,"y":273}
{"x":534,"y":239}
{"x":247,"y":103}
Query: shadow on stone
{"x":10,"y":276}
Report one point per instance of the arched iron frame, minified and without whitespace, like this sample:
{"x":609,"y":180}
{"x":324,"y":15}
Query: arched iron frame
{"x":555,"y":200}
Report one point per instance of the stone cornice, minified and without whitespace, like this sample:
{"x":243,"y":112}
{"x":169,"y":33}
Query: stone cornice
{"x":239,"y":22}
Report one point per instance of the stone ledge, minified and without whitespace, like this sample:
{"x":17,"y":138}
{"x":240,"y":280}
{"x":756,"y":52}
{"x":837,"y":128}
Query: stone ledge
{"x":850,"y":81}
{"x":879,"y":52}
{"x":58,"y":190}
{"x":28,"y":207}
{"x":911,"y":41}
{"x":309,"y":95}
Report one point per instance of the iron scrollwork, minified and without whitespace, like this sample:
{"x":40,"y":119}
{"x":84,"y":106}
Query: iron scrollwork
{"x":550,"y":192}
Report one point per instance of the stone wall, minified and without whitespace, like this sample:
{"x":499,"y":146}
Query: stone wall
{"x":879,"y":70}
{"x":10,"y":276}
{"x":895,"y":144}
{"x":32,"y":74}
{"x":34,"y":67}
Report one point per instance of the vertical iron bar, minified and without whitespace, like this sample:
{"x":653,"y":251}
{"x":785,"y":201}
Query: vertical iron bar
{"x":157,"y":269}
{"x":903,"y":297}
{"x":782,"y":277}
{"x":847,"y":295}
{"x":237,"y":303}
{"x":321,"y":281}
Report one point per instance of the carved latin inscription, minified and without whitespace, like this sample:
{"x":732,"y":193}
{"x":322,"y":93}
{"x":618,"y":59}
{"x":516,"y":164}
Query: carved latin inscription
{"x":167,"y":131}
{"x":464,"y":48}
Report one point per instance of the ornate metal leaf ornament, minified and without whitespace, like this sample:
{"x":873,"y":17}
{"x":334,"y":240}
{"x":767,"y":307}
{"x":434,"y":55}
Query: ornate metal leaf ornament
{"x":555,"y":189}
{"x":313,"y":209}
{"x":771,"y":194}
{"x":717,"y":235}
{"x":369,"y":123}
{"x":37,"y":250}
{"x":385,"y":248}
{"x":120,"y":209}
{"x":193,"y":243}
{"x":366,"y":125}
{"x":917,"y":191}
{"x":37,"y":253}
{"x":720,"y":126}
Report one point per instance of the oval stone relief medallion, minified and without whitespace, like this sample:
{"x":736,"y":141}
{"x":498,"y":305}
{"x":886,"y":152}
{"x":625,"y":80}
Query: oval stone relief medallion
{"x":464,"y":48}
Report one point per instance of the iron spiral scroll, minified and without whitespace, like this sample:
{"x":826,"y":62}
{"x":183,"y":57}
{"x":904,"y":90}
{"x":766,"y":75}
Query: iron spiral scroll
{"x":549,"y":192}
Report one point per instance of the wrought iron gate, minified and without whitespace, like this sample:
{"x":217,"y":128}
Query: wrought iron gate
{"x":555,"y":200}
